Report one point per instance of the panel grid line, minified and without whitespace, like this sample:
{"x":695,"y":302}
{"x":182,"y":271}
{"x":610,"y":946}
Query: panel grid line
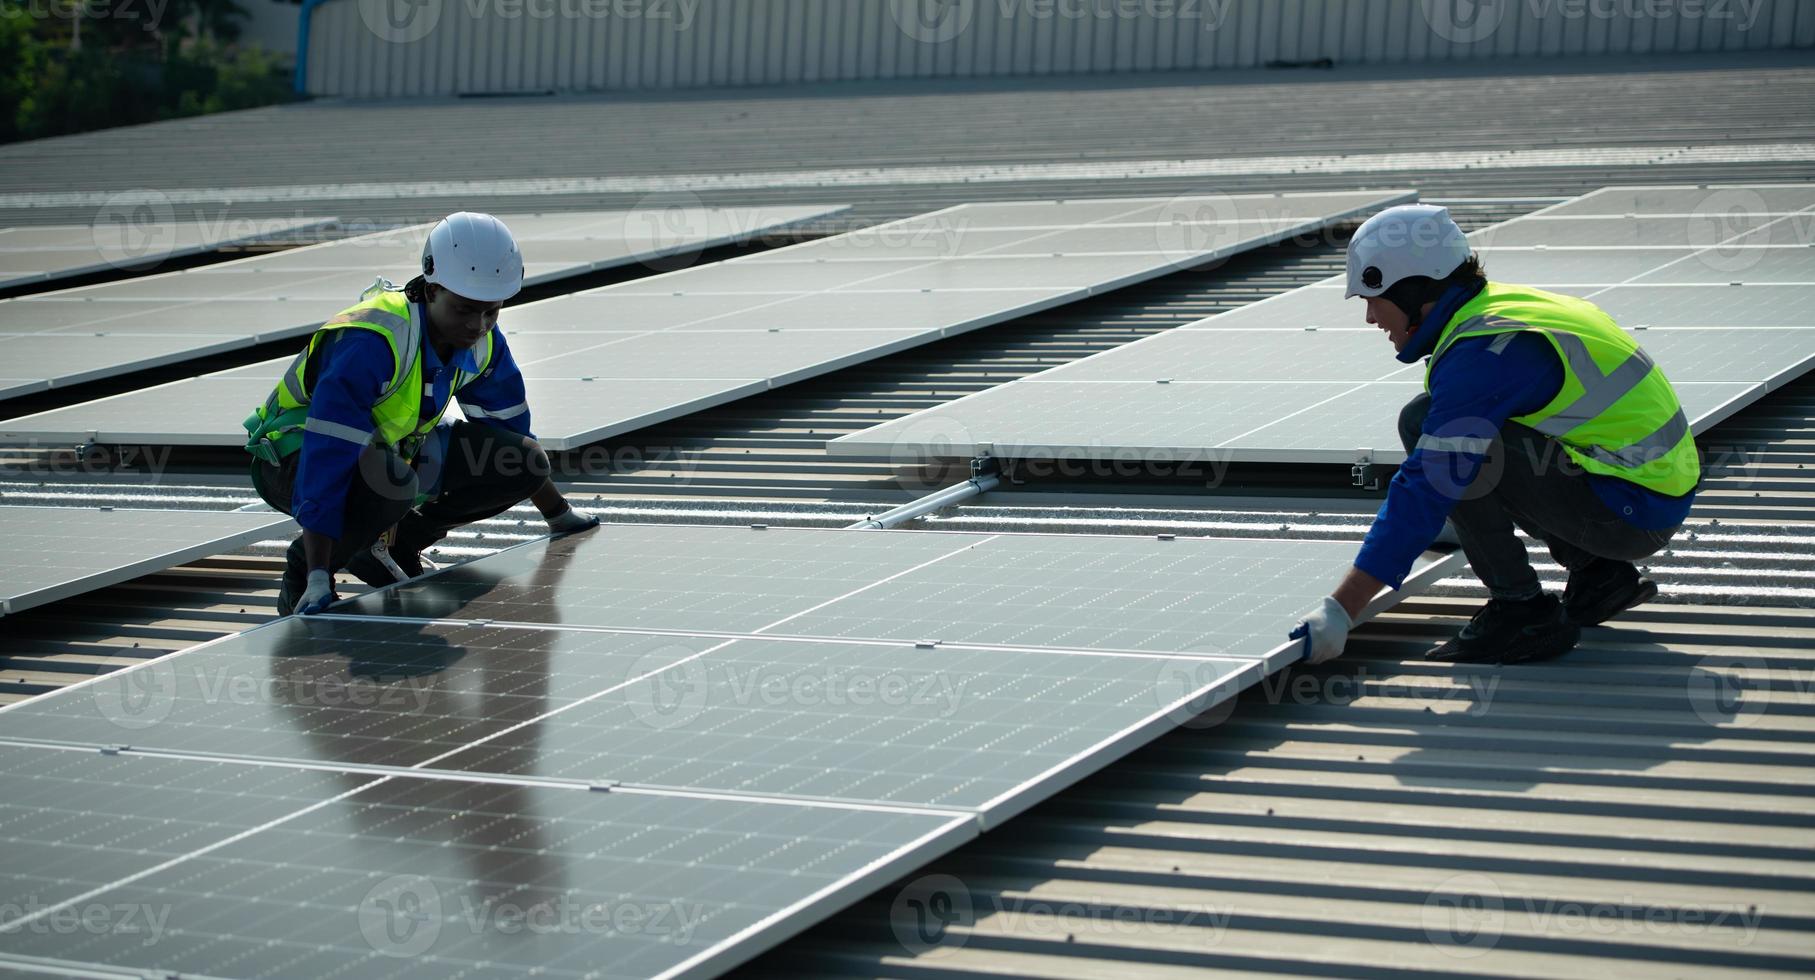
{"x":1704,"y":250}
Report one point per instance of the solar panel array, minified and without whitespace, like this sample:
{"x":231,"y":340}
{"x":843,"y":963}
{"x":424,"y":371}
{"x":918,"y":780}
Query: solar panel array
{"x":1717,"y":284}
{"x":126,"y":239}
{"x":742,"y":729}
{"x":85,"y":333}
{"x":56,"y":552}
{"x":618,"y":358}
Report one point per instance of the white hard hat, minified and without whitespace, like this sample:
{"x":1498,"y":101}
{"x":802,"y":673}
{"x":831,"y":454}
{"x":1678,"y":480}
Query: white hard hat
{"x":1408,"y":240}
{"x":475,"y":256}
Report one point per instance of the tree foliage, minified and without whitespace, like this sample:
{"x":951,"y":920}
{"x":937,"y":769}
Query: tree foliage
{"x":68,"y":66}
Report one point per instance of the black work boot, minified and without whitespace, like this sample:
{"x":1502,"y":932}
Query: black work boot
{"x":1510,"y":632}
{"x":1604,"y":588}
{"x":296,"y":578}
{"x":366,"y":566}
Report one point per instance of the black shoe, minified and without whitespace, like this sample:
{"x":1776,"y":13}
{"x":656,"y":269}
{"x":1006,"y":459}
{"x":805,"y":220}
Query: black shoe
{"x":368,"y":569}
{"x":295,"y":581}
{"x":286,"y":596}
{"x":1509,"y":632}
{"x":1604,"y":588}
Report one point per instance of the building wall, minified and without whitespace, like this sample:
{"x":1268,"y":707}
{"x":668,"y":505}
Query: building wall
{"x":380,"y":48}
{"x":270,"y":24}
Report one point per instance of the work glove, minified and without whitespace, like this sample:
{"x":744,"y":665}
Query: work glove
{"x":571,"y":520}
{"x":1325,"y":631}
{"x":318,"y":595}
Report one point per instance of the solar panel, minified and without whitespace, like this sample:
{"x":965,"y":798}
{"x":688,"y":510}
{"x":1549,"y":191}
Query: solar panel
{"x":263,"y":871}
{"x":1624,"y":231}
{"x":876,"y":723}
{"x":1255,"y":384}
{"x":762,"y":724}
{"x":1687,"y":201}
{"x":206,"y":412}
{"x":43,"y":254}
{"x":1717,"y":307}
{"x":1068,"y":592}
{"x":57,"y":552}
{"x":710,"y":578}
{"x":74,"y":358}
{"x":882,"y":724}
{"x":287,"y":294}
{"x":791,"y":290}
{"x":347,"y":692}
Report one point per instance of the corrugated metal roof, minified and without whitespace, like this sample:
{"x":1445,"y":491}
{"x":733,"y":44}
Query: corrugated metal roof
{"x":1755,"y":98}
{"x":1378,"y":815}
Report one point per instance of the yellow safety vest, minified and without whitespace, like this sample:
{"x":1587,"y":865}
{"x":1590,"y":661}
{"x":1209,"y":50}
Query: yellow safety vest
{"x":275,"y":428}
{"x":1616,"y":414}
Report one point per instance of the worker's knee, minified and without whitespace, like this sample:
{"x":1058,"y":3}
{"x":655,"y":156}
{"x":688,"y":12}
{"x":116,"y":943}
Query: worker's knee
{"x":515,"y":459}
{"x":535,"y":459}
{"x":387,"y":476}
{"x":1411,"y":419}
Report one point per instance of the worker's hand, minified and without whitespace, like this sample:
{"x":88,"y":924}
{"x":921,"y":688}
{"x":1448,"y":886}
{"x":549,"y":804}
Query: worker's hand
{"x":319,"y":593}
{"x":571,"y":520}
{"x":1325,"y":631}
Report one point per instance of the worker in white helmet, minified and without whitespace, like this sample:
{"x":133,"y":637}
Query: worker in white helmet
{"x":352,"y":444}
{"x":1539,"y":413}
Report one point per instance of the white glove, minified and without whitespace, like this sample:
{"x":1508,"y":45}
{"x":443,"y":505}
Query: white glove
{"x":571,"y":520}
{"x":319,"y":593}
{"x":1325,"y":631}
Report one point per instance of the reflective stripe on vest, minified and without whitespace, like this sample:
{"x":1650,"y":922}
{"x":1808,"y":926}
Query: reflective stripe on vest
{"x":1620,"y":421}
{"x":397,"y":419}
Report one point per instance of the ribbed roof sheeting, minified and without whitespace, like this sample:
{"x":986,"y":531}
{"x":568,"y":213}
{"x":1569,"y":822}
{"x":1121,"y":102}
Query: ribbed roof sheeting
{"x":1707,"y":101}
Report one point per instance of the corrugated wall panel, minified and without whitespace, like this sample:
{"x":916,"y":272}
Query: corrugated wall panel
{"x":467,"y":46}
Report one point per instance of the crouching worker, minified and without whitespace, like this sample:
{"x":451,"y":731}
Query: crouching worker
{"x":351,"y":442}
{"x":1539,"y":413}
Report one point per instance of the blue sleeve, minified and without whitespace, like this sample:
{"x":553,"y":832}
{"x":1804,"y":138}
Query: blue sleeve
{"x":497,"y":397}
{"x":349,"y":379}
{"x":1477,"y":385}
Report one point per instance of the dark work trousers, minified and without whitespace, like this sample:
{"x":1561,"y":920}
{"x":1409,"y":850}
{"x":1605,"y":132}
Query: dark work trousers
{"x":1529,"y":481}
{"x":486,"y":471}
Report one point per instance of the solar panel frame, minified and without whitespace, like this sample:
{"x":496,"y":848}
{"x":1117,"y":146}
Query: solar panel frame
{"x":130,"y":542}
